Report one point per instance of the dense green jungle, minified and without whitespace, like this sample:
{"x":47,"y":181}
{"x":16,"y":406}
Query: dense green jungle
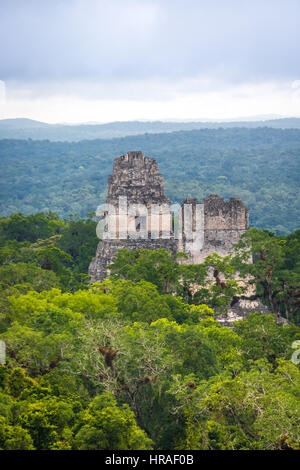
{"x":260,"y":166}
{"x":140,"y":360}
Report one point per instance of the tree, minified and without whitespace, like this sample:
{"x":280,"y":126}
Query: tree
{"x":271,"y":256}
{"x":27,"y":276}
{"x":79,"y":240}
{"x":138,"y":301}
{"x":14,"y":437}
{"x":158,"y":267}
{"x":21,"y":228}
{"x":47,"y":421}
{"x":256,"y":410}
{"x":106,"y":426}
{"x":261,"y":337}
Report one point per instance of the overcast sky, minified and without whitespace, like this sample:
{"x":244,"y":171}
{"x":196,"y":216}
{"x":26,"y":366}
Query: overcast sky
{"x":105,"y":60}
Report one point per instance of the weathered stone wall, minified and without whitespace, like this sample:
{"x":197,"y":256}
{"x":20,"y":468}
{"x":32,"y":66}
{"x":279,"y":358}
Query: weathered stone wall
{"x":136,"y":177}
{"x":242,"y":309}
{"x":223,"y":222}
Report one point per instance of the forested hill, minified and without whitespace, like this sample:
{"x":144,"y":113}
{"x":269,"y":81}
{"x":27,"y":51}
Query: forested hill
{"x":261,"y":166}
{"x":21,"y":128}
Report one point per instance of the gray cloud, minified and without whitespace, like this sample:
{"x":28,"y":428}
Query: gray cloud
{"x":121,"y":40}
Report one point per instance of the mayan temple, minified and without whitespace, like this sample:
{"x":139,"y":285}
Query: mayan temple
{"x":139,"y":215}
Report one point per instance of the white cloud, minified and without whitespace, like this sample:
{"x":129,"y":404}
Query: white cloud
{"x":296,"y":84}
{"x":98,"y":39}
{"x":2,"y":94}
{"x":103,"y":60}
{"x":189,"y":99}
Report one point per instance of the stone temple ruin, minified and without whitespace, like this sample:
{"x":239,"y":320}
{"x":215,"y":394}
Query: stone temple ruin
{"x":137,"y":214}
{"x":141,"y":216}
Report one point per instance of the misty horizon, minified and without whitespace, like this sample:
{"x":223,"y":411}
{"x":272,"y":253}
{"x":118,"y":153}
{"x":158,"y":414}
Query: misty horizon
{"x":257,"y":118}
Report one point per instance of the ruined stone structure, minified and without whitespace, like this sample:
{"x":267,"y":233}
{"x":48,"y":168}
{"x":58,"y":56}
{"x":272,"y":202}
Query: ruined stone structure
{"x":136,"y":178}
{"x":144,"y":219}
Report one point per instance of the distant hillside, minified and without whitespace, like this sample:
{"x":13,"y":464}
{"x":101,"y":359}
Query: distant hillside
{"x":29,"y":129}
{"x":261,"y":166}
{"x":21,"y":123}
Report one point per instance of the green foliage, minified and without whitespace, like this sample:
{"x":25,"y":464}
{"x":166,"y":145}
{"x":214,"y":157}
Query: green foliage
{"x":255,"y":410}
{"x":159,"y":267}
{"x":139,"y":301}
{"x":195,"y":284}
{"x":20,"y":228}
{"x":261,"y":166}
{"x":46,"y":421}
{"x":262,"y":338}
{"x":273,"y":264}
{"x":60,"y":259}
{"x":105,"y":426}
{"x":139,"y":361}
{"x":14,"y":437}
{"x":27,"y":276}
{"x":78,"y":238}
